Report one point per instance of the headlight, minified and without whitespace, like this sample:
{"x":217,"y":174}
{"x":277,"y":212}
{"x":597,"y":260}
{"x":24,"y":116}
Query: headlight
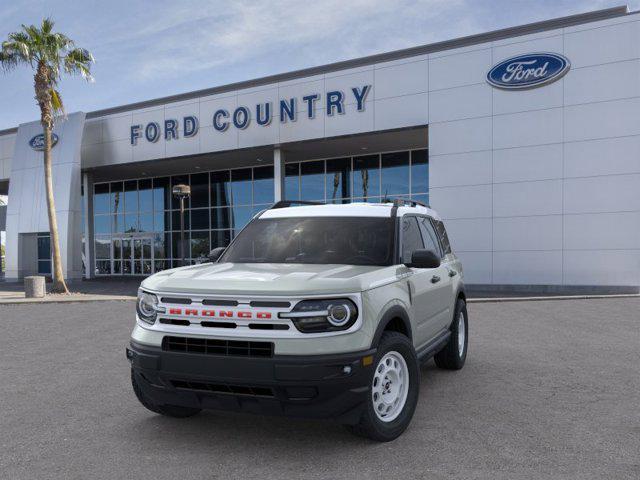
{"x":313,"y":316}
{"x":147,"y":307}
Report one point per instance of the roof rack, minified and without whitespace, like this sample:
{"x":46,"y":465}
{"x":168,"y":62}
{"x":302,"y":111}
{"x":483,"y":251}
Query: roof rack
{"x":290,"y":203}
{"x":401,"y":201}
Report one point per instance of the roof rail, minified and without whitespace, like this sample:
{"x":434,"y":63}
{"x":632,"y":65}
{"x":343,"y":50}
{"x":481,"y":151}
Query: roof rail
{"x":290,"y":203}
{"x":401,"y":201}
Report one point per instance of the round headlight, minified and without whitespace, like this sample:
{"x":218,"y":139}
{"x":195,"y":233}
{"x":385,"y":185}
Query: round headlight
{"x":147,"y":307}
{"x":339,"y":314}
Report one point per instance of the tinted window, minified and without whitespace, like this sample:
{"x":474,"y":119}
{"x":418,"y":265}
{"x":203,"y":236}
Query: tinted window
{"x":411,"y":238}
{"x":317,"y":240}
{"x":442,"y":234}
{"x":312,"y":180}
{"x":429,"y":236}
{"x":395,"y":173}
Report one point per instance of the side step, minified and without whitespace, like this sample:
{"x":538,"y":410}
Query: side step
{"x":433,"y":347}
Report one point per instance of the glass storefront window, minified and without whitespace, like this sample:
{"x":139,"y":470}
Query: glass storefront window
{"x":223,"y":202}
{"x":366,"y":177}
{"x":292,"y":181}
{"x":241,"y":186}
{"x":395,"y":173}
{"x":312,"y":180}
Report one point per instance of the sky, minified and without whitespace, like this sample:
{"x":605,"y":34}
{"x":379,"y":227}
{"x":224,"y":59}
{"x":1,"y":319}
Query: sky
{"x":149,"y":49}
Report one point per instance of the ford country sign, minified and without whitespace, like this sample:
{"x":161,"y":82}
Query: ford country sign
{"x":528,"y":71}
{"x":37,"y":142}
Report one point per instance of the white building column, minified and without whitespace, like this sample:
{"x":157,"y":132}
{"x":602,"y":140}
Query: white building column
{"x":278,"y":174}
{"x":87,"y":205}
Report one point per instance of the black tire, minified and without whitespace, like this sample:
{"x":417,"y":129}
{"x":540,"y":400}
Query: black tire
{"x":370,"y":426}
{"x":450,"y":357}
{"x":166,"y":410}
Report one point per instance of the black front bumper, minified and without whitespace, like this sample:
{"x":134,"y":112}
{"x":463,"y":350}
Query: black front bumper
{"x":312,"y":386}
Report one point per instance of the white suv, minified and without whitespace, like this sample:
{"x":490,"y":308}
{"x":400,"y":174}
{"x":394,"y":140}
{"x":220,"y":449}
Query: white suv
{"x":321,"y":311}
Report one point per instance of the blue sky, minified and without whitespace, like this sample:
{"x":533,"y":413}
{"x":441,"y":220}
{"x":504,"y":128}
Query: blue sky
{"x":149,"y":49}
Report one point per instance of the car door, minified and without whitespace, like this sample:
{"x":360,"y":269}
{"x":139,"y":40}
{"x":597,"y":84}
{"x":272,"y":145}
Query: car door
{"x":448,"y":272}
{"x":425,"y":284}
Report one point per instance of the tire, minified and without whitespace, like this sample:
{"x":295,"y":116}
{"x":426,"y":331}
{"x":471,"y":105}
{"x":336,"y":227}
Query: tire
{"x":396,"y":351}
{"x":166,"y":410}
{"x":451,"y":357}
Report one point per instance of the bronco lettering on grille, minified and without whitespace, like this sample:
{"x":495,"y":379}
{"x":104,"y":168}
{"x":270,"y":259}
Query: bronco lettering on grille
{"x":192,"y":312}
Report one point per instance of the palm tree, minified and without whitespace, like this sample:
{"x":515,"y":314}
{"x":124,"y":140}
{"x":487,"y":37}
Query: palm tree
{"x":48,"y":54}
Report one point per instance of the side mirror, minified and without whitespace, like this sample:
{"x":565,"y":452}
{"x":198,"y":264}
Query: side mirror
{"x":214,"y":254}
{"x":424,"y":259}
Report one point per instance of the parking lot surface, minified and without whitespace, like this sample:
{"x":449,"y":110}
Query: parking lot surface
{"x":551,"y":389}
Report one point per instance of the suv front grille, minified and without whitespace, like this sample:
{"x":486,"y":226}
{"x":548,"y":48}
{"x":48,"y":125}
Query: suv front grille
{"x":207,"y":346}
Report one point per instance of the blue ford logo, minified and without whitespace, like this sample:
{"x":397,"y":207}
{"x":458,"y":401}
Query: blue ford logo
{"x":37,"y":142}
{"x":528,"y":71}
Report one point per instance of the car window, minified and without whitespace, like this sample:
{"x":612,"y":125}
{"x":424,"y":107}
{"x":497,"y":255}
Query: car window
{"x":411,"y":238}
{"x":429,"y":236}
{"x":442,"y":235}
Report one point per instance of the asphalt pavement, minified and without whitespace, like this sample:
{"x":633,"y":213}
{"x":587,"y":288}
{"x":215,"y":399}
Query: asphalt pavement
{"x":551,"y":390}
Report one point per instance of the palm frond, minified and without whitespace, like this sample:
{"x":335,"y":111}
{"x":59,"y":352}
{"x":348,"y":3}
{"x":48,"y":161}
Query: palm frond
{"x":78,"y":62}
{"x":56,"y":101}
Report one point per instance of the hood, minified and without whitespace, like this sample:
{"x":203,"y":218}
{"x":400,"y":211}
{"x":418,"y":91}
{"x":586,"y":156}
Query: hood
{"x":267,"y":279}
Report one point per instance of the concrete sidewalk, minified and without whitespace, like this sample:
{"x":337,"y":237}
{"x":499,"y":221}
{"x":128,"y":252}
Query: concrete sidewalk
{"x":102,"y":289}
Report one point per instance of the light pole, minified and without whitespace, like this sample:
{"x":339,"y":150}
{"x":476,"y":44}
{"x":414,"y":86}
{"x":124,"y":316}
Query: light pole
{"x":181,"y":192}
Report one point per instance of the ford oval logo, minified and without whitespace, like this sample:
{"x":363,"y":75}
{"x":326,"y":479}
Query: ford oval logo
{"x":528,"y":71}
{"x":37,"y":142}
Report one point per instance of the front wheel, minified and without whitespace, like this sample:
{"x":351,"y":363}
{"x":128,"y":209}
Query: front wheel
{"x":393,"y":390}
{"x":454,"y":354}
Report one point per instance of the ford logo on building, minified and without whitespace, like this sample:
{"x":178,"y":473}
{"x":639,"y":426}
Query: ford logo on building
{"x":528,"y":71}
{"x":37,"y":142}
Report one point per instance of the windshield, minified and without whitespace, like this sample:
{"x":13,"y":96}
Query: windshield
{"x":320,"y":240}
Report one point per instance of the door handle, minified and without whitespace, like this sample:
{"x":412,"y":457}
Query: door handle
{"x":452,"y":273}
{"x":435,"y":279}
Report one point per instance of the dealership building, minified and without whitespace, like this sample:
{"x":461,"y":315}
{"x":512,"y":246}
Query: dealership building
{"x":526,"y":140}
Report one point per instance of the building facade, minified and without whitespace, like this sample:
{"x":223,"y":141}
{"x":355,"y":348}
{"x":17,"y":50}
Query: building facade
{"x":526,"y":140}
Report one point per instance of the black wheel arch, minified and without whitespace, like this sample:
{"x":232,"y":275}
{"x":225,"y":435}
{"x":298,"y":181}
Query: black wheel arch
{"x":394,"y":319}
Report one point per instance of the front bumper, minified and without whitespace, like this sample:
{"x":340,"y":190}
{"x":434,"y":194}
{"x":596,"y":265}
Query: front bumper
{"x":311,"y":386}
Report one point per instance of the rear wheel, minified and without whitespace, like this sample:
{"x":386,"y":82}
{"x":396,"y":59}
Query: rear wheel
{"x":454,"y":354}
{"x":393,"y":391}
{"x":167,"y":410}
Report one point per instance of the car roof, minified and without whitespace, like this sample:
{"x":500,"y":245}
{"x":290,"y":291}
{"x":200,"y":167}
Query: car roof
{"x":356,"y":209}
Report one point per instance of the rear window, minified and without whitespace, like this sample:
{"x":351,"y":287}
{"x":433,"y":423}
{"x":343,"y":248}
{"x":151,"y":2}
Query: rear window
{"x":317,"y":240}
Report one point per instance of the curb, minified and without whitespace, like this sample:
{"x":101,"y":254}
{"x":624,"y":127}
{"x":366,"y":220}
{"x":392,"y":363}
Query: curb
{"x":31,"y":301}
{"x":550,"y":298}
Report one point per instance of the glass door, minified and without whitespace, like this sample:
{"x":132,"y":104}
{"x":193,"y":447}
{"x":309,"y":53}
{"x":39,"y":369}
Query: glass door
{"x":132,"y":255}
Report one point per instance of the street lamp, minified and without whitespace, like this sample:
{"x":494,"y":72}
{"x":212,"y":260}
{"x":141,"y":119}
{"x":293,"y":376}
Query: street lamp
{"x":181,"y":192}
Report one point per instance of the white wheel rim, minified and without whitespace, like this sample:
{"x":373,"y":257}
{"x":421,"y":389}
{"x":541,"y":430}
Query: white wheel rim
{"x":462,"y":334}
{"x":390,"y":386}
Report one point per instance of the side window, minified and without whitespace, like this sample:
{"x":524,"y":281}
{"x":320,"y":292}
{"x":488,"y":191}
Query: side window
{"x":442,"y":235}
{"x":411,"y":239}
{"x":429,"y":236}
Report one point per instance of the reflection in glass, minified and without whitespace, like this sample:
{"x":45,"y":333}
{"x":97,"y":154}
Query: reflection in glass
{"x":159,"y":242}
{"x":161,"y":194}
{"x":312,"y":180}
{"x":117,"y":248}
{"x":103,"y":267}
{"x":199,"y":244}
{"x":146,"y":222}
{"x":395,"y":173}
{"x":160,"y":221}
{"x":220,"y":191}
{"x":101,"y":198}
{"x":419,"y":171}
{"x":200,"y":190}
{"x":130,"y":196}
{"x":338,"y":179}
{"x":366,"y":177}
{"x":116,"y":197}
{"x":220,"y":238}
{"x":199,"y":219}
{"x":263,"y":185}
{"x":103,"y":247}
{"x":102,"y":224}
{"x":177,"y":180}
{"x":220,"y":218}
{"x":175,"y":220}
{"x":292,"y":181}
{"x":130,"y":223}
{"x":240,"y":216}
{"x":145,"y":195}
{"x":241,"y":186}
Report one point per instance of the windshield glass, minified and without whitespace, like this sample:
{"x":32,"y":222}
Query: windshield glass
{"x":320,"y":240}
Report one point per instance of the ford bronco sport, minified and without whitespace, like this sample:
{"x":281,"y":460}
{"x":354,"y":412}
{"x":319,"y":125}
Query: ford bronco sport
{"x":321,"y":311}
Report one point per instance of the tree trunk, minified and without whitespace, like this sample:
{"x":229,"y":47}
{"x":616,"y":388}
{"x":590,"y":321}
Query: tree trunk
{"x":59,"y":285}
{"x":42,"y":85}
